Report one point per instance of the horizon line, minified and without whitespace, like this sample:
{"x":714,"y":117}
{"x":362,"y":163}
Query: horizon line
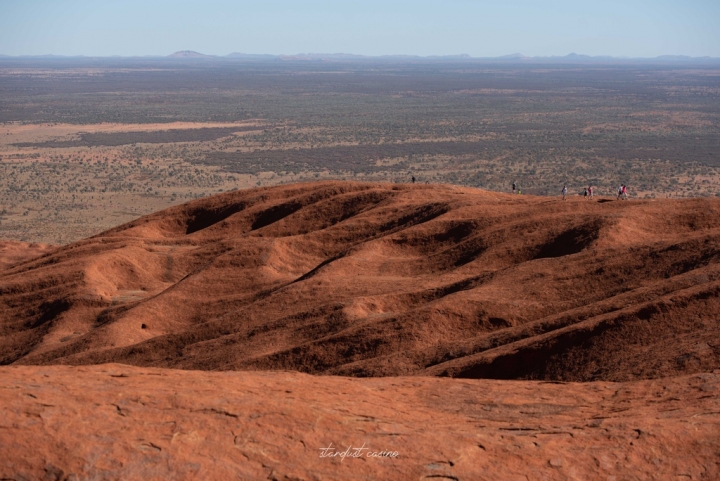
{"x":192,"y":54}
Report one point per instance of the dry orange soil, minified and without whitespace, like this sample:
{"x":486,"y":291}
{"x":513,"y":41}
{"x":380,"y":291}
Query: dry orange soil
{"x":363,"y":280}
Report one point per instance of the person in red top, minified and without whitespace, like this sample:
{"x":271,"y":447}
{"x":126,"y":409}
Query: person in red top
{"x":590,"y":191}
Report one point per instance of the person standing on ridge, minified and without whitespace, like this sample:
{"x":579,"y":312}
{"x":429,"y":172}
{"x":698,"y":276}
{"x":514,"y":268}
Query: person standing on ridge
{"x":620,"y":191}
{"x":412,"y":179}
{"x":624,"y":192}
{"x":564,"y":191}
{"x":585,"y":194}
{"x":590,"y":191}
{"x":514,"y":186}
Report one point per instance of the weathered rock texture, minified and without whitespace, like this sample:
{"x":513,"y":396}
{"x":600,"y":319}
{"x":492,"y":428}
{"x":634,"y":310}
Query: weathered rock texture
{"x":368,"y":280}
{"x":14,"y":252}
{"x":122,"y":422}
{"x":382,"y":280}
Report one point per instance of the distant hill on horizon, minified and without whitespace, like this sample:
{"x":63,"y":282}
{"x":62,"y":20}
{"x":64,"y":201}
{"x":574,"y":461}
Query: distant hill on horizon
{"x":188,"y":54}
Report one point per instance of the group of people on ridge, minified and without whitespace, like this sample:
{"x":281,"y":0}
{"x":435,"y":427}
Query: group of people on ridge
{"x":589,"y":192}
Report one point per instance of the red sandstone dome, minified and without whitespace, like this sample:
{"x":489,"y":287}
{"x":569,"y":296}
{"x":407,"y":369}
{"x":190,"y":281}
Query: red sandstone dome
{"x":368,"y":279}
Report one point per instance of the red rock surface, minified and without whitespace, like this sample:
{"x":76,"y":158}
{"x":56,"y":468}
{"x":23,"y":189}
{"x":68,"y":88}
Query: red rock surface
{"x":415,"y":282}
{"x":14,"y":252}
{"x":121,"y":422}
{"x":382,"y":279}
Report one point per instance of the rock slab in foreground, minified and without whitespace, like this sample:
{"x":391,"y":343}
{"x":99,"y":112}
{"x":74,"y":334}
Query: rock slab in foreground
{"x":122,"y":422}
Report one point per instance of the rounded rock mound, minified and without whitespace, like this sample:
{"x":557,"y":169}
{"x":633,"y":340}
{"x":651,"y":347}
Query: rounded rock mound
{"x":366,"y":279}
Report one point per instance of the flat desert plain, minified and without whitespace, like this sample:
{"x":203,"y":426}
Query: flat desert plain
{"x":89,"y":144}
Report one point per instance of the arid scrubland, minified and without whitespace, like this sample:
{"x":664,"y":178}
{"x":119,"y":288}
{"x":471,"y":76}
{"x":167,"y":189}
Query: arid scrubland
{"x":58,"y":195}
{"x":89,"y":144}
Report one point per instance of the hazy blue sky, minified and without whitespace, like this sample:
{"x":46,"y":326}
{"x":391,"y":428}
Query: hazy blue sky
{"x":638,"y":28}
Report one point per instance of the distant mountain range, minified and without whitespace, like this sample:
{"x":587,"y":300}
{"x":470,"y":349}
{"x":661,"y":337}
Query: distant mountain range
{"x":346,"y":57}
